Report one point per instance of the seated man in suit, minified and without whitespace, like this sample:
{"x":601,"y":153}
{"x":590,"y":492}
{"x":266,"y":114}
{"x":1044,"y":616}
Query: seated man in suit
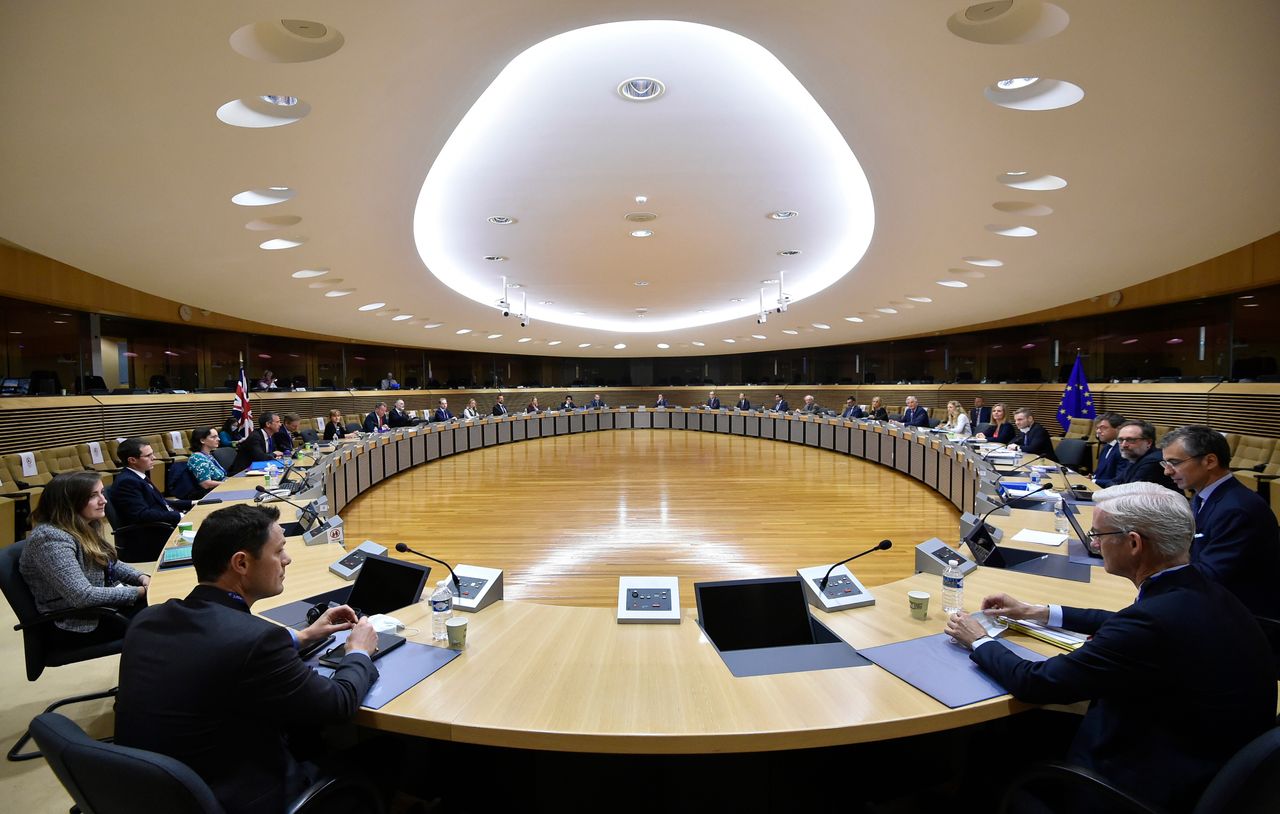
{"x":1110,"y":461}
{"x":376,"y":420}
{"x":596,"y":403}
{"x":1179,"y":681}
{"x":914,"y":415}
{"x":980,"y":414}
{"x":713,"y":401}
{"x":743,"y":403}
{"x":1138,"y":446}
{"x":134,"y":497}
{"x":568,"y":404}
{"x":285,"y":436}
{"x":260,"y":444}
{"x":661,"y":402}
{"x":442,"y":412}
{"x":1030,"y":437}
{"x":500,"y":406}
{"x":205,"y":681}
{"x":398,"y":417}
{"x":811,"y":406}
{"x":1237,"y":542}
{"x":389,"y":383}
{"x":779,"y":404}
{"x":851,"y":409}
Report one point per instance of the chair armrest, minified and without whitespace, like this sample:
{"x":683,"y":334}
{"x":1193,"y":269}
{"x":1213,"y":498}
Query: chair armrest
{"x":75,"y":613}
{"x":1063,"y":774}
{"x":322,"y":790}
{"x":150,"y":524}
{"x":1257,"y":468}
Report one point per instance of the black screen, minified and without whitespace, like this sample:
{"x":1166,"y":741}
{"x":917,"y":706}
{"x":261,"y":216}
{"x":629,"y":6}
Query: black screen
{"x":751,"y":613}
{"x":386,"y":584}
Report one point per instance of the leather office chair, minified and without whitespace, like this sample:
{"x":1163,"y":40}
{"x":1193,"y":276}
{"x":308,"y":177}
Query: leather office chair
{"x":38,"y":650}
{"x":225,"y":456}
{"x":103,"y":778}
{"x":1249,"y":783}
{"x":138,"y":542}
{"x":310,"y":436}
{"x":1073,"y":453}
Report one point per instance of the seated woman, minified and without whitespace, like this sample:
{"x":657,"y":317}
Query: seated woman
{"x":230,"y":432}
{"x":1001,"y":431}
{"x":68,"y":562}
{"x":202,"y":465}
{"x":533,"y":406}
{"x":957,"y":420}
{"x":470,"y":411}
{"x":876,"y":411}
{"x":333,"y":428}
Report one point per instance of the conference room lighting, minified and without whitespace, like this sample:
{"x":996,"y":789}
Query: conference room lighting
{"x":495,"y":258}
{"x":642,"y":199}
{"x":279,"y":101}
{"x":373,"y":306}
{"x":462,"y":331}
{"x":641,"y":89}
{"x":642,"y":233}
{"x":953,"y":283}
{"x":921,"y":299}
{"x":730,"y":341}
{"x":401,"y":317}
{"x":985,"y":262}
{"x":620,"y":346}
{"x":501,"y":220}
{"x":759,"y":336}
{"x":278,"y":243}
{"x":585,"y":345}
{"x":1017,"y":82}
{"x":339,"y":292}
{"x":887,"y":310}
{"x":854,"y":319}
{"x":783,"y":214}
{"x":304,"y":274}
{"x":791,"y":332}
{"x":822,"y":326}
{"x":524,"y":339}
{"x":554,"y":342}
{"x":430,"y":325}
{"x":495,"y":336}
{"x":698,"y":344}
{"x":663,"y":345}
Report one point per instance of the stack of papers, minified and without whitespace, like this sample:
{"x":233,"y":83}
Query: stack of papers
{"x":1057,"y":637}
{"x":1039,"y":537}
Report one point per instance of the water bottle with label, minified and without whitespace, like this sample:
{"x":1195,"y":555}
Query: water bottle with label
{"x":952,"y":588}
{"x":441,"y":610}
{"x":1035,"y":477}
{"x":1060,"y":517}
{"x":273,"y":476}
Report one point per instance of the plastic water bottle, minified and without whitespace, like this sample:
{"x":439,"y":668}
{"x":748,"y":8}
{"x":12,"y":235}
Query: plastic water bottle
{"x":952,"y":588}
{"x":1060,"y":518}
{"x":1035,"y":477}
{"x":441,"y":610}
{"x":273,"y":476}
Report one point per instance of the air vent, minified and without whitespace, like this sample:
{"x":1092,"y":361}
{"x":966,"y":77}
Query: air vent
{"x":305,"y":29}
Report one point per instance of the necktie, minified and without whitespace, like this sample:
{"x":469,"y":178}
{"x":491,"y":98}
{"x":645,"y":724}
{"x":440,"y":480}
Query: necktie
{"x":1197,"y":503}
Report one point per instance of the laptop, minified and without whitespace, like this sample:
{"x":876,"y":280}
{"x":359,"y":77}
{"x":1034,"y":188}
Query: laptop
{"x":384,"y":584}
{"x":981,"y":540}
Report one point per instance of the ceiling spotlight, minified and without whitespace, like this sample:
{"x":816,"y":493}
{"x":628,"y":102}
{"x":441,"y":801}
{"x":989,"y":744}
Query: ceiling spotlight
{"x":854,"y":319}
{"x":921,"y":299}
{"x":642,"y":233}
{"x":1128,"y":342}
{"x":790,"y":332}
{"x":462,"y":331}
{"x":373,"y":306}
{"x":555,"y":342}
{"x":641,"y":283}
{"x":339,"y":292}
{"x":698,"y":344}
{"x":495,"y":258}
{"x":783,"y":214}
{"x":585,"y":345}
{"x":730,"y":341}
{"x":495,"y":336}
{"x":306,"y":273}
{"x":278,"y":243}
{"x":1017,"y":82}
{"x":641,"y":89}
{"x":759,"y":336}
{"x":401,"y":317}
{"x":663,"y":345}
{"x":642,"y":199}
{"x":433,"y":325}
{"x":525,"y":339}
{"x":822,"y":325}
{"x":640,"y":217}
{"x":501,"y":220}
{"x":953,"y":283}
{"x":789,"y":252}
{"x":620,"y":346}
{"x":279,"y":101}
{"x":887,"y":310}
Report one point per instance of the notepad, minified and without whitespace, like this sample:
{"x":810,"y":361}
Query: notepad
{"x":1040,"y":537}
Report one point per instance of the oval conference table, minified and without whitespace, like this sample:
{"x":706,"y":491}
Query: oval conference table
{"x":563,"y":678}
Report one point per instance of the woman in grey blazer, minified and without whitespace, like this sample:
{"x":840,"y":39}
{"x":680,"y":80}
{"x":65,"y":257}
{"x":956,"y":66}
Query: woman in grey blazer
{"x":69,"y":563}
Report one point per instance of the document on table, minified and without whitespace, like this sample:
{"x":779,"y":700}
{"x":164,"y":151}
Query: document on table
{"x":1039,"y":537}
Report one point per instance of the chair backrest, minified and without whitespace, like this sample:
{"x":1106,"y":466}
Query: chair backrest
{"x":86,"y":457}
{"x":984,"y":427}
{"x":225,"y":456}
{"x":181,"y":482}
{"x":1250,"y":782}
{"x":175,"y":442}
{"x":1079,"y":428}
{"x":354,"y":426}
{"x":1252,"y":451}
{"x":158,"y":446}
{"x":24,"y":607}
{"x":103,"y":778}
{"x":1072,"y":453}
{"x":62,"y":459}
{"x":13,"y":464}
{"x":310,"y":436}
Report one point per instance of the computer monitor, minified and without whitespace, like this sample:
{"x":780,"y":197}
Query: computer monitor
{"x":1081,"y":534}
{"x":386,"y":584}
{"x":748,"y":614}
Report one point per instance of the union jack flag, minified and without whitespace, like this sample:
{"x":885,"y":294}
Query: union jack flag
{"x":241,"y":409}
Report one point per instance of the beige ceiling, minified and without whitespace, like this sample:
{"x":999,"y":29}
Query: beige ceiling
{"x":112,"y":160}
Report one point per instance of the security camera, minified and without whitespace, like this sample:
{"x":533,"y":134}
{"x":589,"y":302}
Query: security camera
{"x":505,"y":312}
{"x":764,"y":317}
{"x":524,"y":322}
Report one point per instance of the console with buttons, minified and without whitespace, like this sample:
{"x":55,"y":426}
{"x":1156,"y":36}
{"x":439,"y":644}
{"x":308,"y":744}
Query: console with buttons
{"x":478,"y":587}
{"x":842,"y":591}
{"x":648,"y":600}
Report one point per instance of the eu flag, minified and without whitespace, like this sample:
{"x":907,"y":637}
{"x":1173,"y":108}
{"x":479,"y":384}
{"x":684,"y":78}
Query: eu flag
{"x":1076,"y":400}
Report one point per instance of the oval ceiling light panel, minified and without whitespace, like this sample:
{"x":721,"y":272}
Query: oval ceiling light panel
{"x":273,"y":222}
{"x":1017,"y":93}
{"x":1008,"y":22}
{"x":1025,"y":180}
{"x":265,"y":196}
{"x":258,"y":111}
{"x":778,"y":129}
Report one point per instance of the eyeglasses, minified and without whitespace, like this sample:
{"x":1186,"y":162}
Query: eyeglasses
{"x":1173,"y":463}
{"x":1094,"y":535}
{"x":1137,"y":440}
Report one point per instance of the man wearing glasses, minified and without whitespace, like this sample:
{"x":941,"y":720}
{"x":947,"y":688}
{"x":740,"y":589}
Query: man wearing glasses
{"x":1178,"y":681}
{"x":1237,"y":542}
{"x":1138,"y":446}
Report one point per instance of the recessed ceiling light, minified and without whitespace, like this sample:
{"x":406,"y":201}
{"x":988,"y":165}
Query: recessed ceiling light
{"x":663,"y":345}
{"x":641,"y":89}
{"x":308,"y":273}
{"x":525,"y":339}
{"x":790,"y":332}
{"x":730,"y":341}
{"x":433,"y":325}
{"x":1128,"y":342}
{"x":1029,"y":346}
{"x":279,"y":101}
{"x":1250,"y":305}
{"x":887,"y":310}
{"x":278,"y":189}
{"x":642,"y":199}
{"x":170,"y":353}
{"x":501,"y":220}
{"x":1016,"y":82}
{"x":495,"y":336}
{"x":494,"y":258}
{"x":1247,"y":296}
{"x":1174,"y":341}
{"x":953,"y":283}
{"x":783,"y":214}
{"x":373,"y":306}
{"x":698,"y":344}
{"x":641,"y":283}
{"x":1016,"y":173}
{"x":620,"y":346}
{"x":585,"y":345}
{"x":985,"y":262}
{"x":1011,"y":231}
{"x":921,"y":299}
{"x":16,"y":333}
{"x":759,"y":336}
{"x":462,"y":331}
{"x":59,"y":322}
{"x":640,"y":217}
{"x":401,"y":317}
{"x":768,"y":282}
{"x":854,"y":319}
{"x":702,"y":310}
{"x":339,"y":292}
{"x":736,"y":299}
{"x":822,"y":325}
{"x":555,"y":342}
{"x":642,"y":233}
{"x":278,"y":243}
{"x":789,"y":252}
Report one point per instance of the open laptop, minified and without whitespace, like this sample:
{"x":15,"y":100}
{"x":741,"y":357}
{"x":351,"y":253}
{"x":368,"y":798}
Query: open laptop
{"x":384,"y":584}
{"x":981,"y":539}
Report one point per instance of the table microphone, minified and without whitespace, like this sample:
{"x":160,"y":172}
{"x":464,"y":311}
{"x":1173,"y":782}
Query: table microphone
{"x":982,"y":523}
{"x":264,"y":493}
{"x":883,"y":545}
{"x":402,"y":548}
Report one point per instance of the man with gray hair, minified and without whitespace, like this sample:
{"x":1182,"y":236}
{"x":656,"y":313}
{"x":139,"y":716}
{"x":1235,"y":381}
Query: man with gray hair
{"x":1179,"y":681}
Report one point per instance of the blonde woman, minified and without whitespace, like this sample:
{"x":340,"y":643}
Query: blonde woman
{"x":68,"y":563}
{"x":957,"y":420}
{"x":877,"y":411}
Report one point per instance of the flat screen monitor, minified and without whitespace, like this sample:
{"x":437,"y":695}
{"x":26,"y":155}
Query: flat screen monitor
{"x":747,"y":614}
{"x":386,"y":584}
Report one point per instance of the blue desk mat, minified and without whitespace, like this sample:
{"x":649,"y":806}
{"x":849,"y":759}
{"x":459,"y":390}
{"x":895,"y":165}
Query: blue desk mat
{"x":941,"y":668}
{"x":399,"y":670}
{"x":235,"y":494}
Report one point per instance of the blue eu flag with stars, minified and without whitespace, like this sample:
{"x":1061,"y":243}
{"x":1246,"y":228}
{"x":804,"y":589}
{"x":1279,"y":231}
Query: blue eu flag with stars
{"x":1076,"y":400}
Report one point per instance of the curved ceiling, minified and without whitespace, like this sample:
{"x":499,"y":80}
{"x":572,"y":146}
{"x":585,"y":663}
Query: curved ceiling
{"x":113,"y":159}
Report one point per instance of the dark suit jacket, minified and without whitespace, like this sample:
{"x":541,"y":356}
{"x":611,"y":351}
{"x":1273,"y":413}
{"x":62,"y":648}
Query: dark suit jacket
{"x":879,"y":414}
{"x":1110,"y":464}
{"x":979,"y":415}
{"x":744,"y":404}
{"x":916,"y":418}
{"x":332,"y":430}
{"x":499,"y":409}
{"x":257,"y":447}
{"x":661,"y":403}
{"x":568,"y":405}
{"x":1179,"y":681}
{"x":595,"y":404}
{"x":374,"y":422}
{"x":1237,"y":545}
{"x":441,"y":415}
{"x":852,"y":412}
{"x":205,"y":681}
{"x":283,"y":441}
{"x":401,"y":418}
{"x":1147,"y":469}
{"x":1034,"y":441}
{"x":1003,"y":434}
{"x":137,"y":500}
{"x":714,"y":404}
{"x":781,"y":406}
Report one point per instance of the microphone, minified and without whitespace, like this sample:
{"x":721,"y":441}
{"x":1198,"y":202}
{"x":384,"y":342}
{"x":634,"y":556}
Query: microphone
{"x":264,"y":493}
{"x":402,"y":548}
{"x":982,"y":523}
{"x":883,"y":545}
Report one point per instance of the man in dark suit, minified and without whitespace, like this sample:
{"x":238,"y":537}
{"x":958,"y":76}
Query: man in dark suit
{"x":1031,"y":438}
{"x":713,"y":401}
{"x":568,"y":404}
{"x":398,"y":417}
{"x":376,"y":420}
{"x":205,"y":681}
{"x":743,"y":403}
{"x":780,"y":404}
{"x":661,"y":402}
{"x":500,"y":406}
{"x":1237,"y":542}
{"x":596,"y":403}
{"x":914,"y":415}
{"x":811,"y":406}
{"x":442,"y":412}
{"x":1138,"y":446}
{"x":980,"y":414}
{"x":851,"y":409}
{"x":1110,"y":461}
{"x":134,"y":497}
{"x":283,"y":438}
{"x":1179,"y":681}
{"x":258,"y":446}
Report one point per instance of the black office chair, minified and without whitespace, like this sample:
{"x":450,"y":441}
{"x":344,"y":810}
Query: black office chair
{"x":352,"y":426}
{"x":103,"y":778}
{"x":1073,"y":453}
{"x":225,"y":456}
{"x":310,"y":436}
{"x":138,"y":542}
{"x":37,"y":649}
{"x":1249,"y":783}
{"x":984,"y":428}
